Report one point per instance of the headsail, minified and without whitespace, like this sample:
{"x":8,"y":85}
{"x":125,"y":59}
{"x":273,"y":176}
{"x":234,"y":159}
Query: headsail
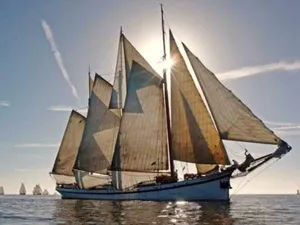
{"x":68,"y":149}
{"x":100,"y":133}
{"x":195,"y":138}
{"x":142,"y":140}
{"x":233,"y":118}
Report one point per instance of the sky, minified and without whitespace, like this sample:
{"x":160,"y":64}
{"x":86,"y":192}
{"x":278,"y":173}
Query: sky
{"x":46,"y":48}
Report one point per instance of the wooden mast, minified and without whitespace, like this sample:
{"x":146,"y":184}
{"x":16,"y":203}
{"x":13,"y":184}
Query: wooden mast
{"x":166,"y":96}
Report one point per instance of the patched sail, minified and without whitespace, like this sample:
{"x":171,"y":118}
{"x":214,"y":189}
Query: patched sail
{"x":68,"y":149}
{"x":142,"y":144}
{"x":233,"y":118}
{"x":194,"y":137}
{"x":100,"y":133}
{"x":119,"y":88}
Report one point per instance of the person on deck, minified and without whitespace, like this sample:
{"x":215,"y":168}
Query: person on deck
{"x":249,"y":159}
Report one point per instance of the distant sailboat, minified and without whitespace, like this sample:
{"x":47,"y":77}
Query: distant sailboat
{"x":45,"y":192}
{"x":22,"y":190}
{"x":298,"y":192}
{"x":37,"y":190}
{"x":1,"y":190}
{"x":126,"y":146}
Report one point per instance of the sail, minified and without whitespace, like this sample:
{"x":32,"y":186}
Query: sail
{"x":100,"y":133}
{"x":132,"y":55}
{"x":233,"y":118}
{"x":119,"y":88}
{"x":63,"y":179}
{"x":91,"y":83}
{"x":142,"y":143}
{"x":194,"y":137}
{"x":205,"y":168}
{"x":68,"y":149}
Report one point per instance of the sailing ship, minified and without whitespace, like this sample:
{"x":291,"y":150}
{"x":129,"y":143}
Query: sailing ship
{"x":1,"y":190}
{"x":125,"y":148}
{"x":37,"y":190}
{"x":298,"y":193}
{"x":22,"y":189}
{"x":45,"y":192}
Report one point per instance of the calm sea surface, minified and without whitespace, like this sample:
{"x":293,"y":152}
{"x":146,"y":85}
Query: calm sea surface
{"x":243,"y":209}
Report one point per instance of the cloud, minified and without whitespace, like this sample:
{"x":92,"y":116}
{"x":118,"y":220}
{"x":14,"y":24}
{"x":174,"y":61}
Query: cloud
{"x":58,"y":58}
{"x":4,"y":104}
{"x":255,"y":70}
{"x":36,"y":145}
{"x":64,"y":108}
{"x":61,"y":108}
{"x":290,"y":130}
{"x":278,"y":123}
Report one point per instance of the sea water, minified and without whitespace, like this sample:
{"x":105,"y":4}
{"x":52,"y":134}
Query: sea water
{"x":242,"y":209}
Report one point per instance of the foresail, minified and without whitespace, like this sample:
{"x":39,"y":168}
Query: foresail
{"x":194,"y":137}
{"x":142,"y":144}
{"x":119,"y":88}
{"x":100,"y":133}
{"x":233,"y":118}
{"x":68,"y":149}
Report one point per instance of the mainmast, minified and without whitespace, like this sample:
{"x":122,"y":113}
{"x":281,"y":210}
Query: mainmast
{"x":166,"y":95}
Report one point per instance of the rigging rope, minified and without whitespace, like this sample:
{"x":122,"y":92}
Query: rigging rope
{"x":251,"y":178}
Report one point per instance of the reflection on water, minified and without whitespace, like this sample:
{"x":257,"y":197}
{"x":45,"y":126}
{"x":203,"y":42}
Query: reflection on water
{"x":254,"y":210}
{"x":139,"y":212}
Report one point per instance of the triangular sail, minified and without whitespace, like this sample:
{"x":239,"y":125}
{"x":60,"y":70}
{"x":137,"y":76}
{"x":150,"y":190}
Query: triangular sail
{"x":132,"y":55}
{"x":100,"y":133}
{"x":91,"y":83}
{"x":68,"y":149}
{"x":119,"y":88}
{"x":233,"y":118}
{"x":142,"y":142}
{"x":194,"y":137}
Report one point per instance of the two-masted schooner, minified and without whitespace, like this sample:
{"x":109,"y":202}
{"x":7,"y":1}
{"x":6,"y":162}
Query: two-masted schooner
{"x":124,"y":149}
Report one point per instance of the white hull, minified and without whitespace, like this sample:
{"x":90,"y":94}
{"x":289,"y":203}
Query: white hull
{"x":205,"y":188}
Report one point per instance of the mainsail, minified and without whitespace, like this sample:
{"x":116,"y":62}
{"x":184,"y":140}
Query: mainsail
{"x":100,"y":133}
{"x":234,"y":120}
{"x":65,"y":159}
{"x":142,"y":140}
{"x":194,"y":138}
